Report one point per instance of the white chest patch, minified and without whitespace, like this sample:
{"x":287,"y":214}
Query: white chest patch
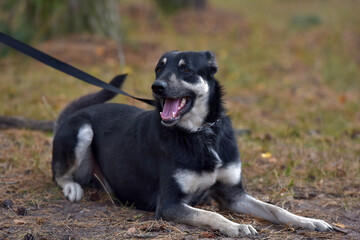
{"x":230,"y":174}
{"x":190,"y":181}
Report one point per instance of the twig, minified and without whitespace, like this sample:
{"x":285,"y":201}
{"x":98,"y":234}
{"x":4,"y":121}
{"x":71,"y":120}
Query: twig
{"x":107,"y":192}
{"x":12,"y":211}
{"x":8,"y":183}
{"x":277,"y":178}
{"x":158,"y":222}
{"x":48,"y":107}
{"x":168,"y":225}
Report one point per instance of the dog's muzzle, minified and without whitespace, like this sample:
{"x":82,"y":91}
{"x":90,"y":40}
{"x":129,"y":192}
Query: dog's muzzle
{"x":159,"y":87}
{"x":173,"y":107}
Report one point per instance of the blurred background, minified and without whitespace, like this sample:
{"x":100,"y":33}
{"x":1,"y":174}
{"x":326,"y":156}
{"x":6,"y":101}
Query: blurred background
{"x":282,"y":59}
{"x":290,"y":71}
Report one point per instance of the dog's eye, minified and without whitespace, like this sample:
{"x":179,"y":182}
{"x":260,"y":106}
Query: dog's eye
{"x":158,"y":70}
{"x":185,"y":70}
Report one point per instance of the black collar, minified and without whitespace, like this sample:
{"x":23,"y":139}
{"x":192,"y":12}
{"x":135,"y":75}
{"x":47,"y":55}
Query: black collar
{"x":207,"y":125}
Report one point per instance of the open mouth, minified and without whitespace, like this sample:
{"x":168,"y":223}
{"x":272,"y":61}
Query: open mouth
{"x":173,"y":109}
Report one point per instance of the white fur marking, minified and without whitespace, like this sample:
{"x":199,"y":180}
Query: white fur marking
{"x":181,"y":62}
{"x":252,"y":206}
{"x":73,"y":191}
{"x":194,"y":119}
{"x":191,"y":181}
{"x":164,"y":60}
{"x":216,"y":221}
{"x":219,"y":161}
{"x":230,"y":174}
{"x":173,"y":79}
{"x":84,"y":139}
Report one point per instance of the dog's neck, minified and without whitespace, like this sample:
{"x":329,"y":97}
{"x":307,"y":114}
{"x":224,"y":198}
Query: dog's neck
{"x":207,"y":125}
{"x":216,"y":103}
{"x":214,"y":113}
{"x":217,"y":110}
{"x":214,"y":110}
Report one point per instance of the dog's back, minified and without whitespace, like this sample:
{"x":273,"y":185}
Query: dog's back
{"x":165,"y":159}
{"x":89,"y":100}
{"x":69,"y":152}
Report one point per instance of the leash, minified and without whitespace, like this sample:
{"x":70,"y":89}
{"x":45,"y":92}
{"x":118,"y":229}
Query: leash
{"x":64,"y":67}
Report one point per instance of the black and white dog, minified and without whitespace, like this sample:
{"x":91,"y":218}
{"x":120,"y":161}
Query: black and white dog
{"x":167,"y":159}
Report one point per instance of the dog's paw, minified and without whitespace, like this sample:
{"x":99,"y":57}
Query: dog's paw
{"x":73,"y":191}
{"x":247,"y":230}
{"x":235,"y":230}
{"x":315,"y":225}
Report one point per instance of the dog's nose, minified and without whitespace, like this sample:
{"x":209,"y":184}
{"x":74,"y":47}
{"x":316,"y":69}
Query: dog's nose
{"x":159,"y":87}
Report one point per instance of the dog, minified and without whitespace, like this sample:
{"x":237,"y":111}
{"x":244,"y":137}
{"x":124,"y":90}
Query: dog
{"x":168,"y":159}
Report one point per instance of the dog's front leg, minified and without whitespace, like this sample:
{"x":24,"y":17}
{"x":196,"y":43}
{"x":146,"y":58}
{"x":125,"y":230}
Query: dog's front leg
{"x":183,"y":213}
{"x":249,"y":205}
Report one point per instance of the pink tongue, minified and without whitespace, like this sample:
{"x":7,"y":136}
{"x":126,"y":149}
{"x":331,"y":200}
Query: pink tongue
{"x":170,"y":106}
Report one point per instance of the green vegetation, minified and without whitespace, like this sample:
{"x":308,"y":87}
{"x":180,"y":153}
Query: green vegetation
{"x":41,"y":19}
{"x":293,"y":76}
{"x":290,"y":70}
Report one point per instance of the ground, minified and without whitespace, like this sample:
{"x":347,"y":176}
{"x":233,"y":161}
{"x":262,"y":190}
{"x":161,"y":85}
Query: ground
{"x":291,"y":77}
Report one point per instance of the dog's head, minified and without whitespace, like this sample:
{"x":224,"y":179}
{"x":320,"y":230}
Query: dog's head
{"x":183,"y":84}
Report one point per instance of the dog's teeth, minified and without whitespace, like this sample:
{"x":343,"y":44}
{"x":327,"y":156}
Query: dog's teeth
{"x":173,"y":114}
{"x":183,"y":101}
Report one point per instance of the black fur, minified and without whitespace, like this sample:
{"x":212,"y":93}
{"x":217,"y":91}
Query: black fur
{"x":139,"y":153}
{"x":136,"y":153}
{"x":89,"y":100}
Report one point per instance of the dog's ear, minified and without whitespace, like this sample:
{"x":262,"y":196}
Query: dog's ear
{"x":210,"y":56}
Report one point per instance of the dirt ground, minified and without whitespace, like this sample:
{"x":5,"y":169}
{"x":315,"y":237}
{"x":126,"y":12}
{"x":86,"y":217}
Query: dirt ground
{"x":33,"y":207}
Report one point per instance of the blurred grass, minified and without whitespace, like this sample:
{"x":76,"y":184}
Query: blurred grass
{"x":41,"y":19}
{"x":290,"y":71}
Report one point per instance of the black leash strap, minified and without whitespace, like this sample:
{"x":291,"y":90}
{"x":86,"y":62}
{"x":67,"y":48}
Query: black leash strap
{"x":63,"y":67}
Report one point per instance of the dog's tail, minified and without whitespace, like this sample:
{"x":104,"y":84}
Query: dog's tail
{"x":89,"y":100}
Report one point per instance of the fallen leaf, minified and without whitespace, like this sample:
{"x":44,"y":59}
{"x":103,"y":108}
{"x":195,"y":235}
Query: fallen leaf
{"x":100,"y":51}
{"x":131,"y":230}
{"x":40,"y":221}
{"x":340,"y":225}
{"x":128,"y":70}
{"x":266,"y":155}
{"x":272,"y":160}
{"x":342,"y":98}
{"x":19,"y":222}
{"x":207,"y":235}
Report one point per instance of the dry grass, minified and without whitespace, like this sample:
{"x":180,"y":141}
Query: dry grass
{"x":291,"y":75}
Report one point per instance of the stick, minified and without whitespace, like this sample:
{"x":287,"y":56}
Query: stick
{"x":107,"y":192}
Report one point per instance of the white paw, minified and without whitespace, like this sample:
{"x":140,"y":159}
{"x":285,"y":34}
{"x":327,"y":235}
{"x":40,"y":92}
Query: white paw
{"x":235,"y":230}
{"x":247,"y":230}
{"x":315,"y":225}
{"x":73,"y":191}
